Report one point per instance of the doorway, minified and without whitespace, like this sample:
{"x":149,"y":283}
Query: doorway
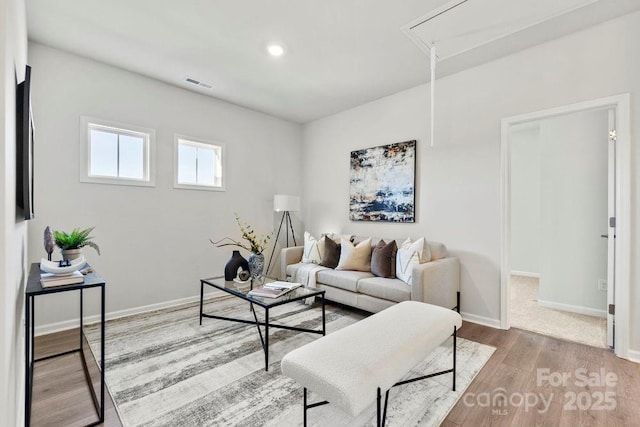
{"x":559,"y":209}
{"x":566,"y":226}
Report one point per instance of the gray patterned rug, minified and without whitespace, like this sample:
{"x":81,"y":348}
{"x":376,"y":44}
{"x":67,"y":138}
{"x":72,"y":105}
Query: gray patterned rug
{"x":163,"y":369}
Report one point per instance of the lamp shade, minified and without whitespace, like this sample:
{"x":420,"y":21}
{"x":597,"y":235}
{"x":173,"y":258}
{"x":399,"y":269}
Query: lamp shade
{"x":286,"y":203}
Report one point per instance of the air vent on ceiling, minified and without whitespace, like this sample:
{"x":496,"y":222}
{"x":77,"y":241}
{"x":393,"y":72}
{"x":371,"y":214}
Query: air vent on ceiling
{"x":197,"y":83}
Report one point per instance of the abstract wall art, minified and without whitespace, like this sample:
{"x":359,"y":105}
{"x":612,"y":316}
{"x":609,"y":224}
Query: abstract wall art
{"x":383,"y":183}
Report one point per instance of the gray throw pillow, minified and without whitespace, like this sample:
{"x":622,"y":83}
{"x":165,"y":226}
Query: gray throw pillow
{"x":331,"y":254}
{"x":383,"y":259}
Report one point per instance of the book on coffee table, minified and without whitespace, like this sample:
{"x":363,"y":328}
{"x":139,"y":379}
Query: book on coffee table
{"x":282,"y":285}
{"x":273,"y":289}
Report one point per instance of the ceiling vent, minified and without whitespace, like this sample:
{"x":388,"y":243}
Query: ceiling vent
{"x":462,"y":25}
{"x":197,"y":83}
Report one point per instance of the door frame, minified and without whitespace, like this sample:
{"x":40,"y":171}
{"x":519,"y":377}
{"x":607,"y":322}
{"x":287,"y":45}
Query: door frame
{"x":621,"y":104}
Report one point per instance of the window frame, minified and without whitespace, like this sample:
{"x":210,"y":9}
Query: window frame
{"x":149,"y":151}
{"x":197,"y":142}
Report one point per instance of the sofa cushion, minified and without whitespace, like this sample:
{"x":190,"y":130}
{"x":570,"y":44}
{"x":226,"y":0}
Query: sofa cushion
{"x":383,"y":259}
{"x":356,"y":257}
{"x":389,"y":289}
{"x":347,"y":280}
{"x":313,"y":249}
{"x":409,"y":255}
{"x":438,"y":250}
{"x":331,"y":254}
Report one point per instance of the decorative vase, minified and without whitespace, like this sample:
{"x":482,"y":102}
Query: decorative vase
{"x":235,"y":262}
{"x":256,"y":265}
{"x":70,"y":254}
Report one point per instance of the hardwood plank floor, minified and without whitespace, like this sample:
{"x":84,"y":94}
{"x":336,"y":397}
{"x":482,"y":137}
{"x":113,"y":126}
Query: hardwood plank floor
{"x":61,"y":397}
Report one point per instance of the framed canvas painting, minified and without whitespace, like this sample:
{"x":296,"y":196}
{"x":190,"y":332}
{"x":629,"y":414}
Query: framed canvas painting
{"x":383,"y":183}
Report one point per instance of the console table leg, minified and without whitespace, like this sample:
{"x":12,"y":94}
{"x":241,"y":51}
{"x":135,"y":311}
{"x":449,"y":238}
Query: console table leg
{"x":27,"y":359}
{"x":102,"y":310}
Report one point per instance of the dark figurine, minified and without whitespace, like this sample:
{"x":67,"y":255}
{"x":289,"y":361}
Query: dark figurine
{"x":49,"y":242}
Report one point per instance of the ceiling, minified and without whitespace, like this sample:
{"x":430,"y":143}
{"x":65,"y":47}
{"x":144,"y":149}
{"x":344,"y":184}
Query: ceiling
{"x":339,"y":53}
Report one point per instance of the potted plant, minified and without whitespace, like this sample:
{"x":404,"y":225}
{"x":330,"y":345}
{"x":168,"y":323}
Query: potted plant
{"x":71,"y":243}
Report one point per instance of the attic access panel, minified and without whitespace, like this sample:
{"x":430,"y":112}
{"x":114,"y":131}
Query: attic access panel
{"x":462,"y":25}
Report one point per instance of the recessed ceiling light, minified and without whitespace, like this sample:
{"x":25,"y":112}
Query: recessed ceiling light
{"x":275,"y":50}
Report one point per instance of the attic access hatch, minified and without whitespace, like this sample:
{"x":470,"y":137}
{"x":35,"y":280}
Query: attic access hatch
{"x":462,"y":25}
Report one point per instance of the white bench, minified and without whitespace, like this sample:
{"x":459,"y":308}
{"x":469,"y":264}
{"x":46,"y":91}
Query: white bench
{"x":350,"y":367}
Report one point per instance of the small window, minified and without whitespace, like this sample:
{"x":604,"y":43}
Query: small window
{"x":198,"y":164}
{"x":116,"y":154}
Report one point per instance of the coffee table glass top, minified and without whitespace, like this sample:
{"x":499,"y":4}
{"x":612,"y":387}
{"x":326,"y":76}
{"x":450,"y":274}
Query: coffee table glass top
{"x":241,"y":290}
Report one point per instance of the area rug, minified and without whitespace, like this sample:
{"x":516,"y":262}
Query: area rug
{"x":163,"y":369}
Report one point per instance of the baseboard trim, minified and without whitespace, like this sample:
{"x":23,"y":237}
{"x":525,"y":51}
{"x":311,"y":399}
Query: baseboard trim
{"x":633,"y":355}
{"x":525,"y":274}
{"x":73,"y":323}
{"x":481,"y":320}
{"x":573,"y":308}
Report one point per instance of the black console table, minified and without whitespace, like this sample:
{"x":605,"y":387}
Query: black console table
{"x":34,"y":288}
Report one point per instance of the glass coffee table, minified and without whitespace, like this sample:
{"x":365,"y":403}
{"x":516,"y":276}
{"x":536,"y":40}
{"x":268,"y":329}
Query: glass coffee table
{"x":241,"y":290}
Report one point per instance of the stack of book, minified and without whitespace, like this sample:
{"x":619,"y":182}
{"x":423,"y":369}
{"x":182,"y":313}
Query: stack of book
{"x":274,"y":289}
{"x":49,"y":280}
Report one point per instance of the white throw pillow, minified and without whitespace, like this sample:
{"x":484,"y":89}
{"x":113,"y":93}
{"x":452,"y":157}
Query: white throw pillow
{"x":313,"y":249}
{"x":356,"y":258}
{"x":410,"y":254}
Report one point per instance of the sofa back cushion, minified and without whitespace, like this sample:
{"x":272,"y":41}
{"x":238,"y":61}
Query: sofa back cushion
{"x":436,"y":249}
{"x":313,"y":249}
{"x":355,"y":257}
{"x":383,"y":259}
{"x":411,"y":254}
{"x":331,"y":254}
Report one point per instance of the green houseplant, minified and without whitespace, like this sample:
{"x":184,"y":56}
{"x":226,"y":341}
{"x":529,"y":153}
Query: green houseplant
{"x":71,"y":243}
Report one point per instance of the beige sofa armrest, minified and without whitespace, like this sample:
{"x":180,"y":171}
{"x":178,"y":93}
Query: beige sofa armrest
{"x":437,"y":282}
{"x":288,"y":256}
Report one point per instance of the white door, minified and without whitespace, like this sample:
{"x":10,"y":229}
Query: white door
{"x":611,"y":233}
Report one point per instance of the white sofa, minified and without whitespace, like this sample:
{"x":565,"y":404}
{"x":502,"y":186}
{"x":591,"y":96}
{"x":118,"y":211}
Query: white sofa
{"x":434,"y":282}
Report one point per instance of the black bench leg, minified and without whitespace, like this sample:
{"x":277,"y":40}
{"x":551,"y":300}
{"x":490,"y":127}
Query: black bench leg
{"x":384,"y":413}
{"x":454,"y":357}
{"x":379,"y":423}
{"x":458,"y":301}
{"x":304,"y":401}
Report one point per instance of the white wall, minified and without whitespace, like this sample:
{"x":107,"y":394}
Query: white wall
{"x":525,"y":199}
{"x":13,"y":232}
{"x":573,"y":206}
{"x":154,"y":241}
{"x":458,"y":181}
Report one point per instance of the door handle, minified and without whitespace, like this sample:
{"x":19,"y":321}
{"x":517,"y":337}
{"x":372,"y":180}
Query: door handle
{"x":606,"y":236}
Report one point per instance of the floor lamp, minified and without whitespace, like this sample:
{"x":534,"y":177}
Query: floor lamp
{"x":286,"y":204}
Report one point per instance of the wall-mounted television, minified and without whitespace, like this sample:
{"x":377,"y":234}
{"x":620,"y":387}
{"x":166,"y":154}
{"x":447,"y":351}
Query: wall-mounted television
{"x":24,"y":149}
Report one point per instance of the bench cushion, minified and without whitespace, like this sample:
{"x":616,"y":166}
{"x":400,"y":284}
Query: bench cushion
{"x":347,"y":366}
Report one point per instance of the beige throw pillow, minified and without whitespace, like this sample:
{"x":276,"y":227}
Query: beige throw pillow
{"x":356,"y":258}
{"x":313,"y":249}
{"x":410,"y":254}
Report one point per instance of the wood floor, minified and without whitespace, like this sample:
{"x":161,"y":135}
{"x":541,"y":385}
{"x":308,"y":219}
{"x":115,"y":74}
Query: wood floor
{"x":496,"y":396}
